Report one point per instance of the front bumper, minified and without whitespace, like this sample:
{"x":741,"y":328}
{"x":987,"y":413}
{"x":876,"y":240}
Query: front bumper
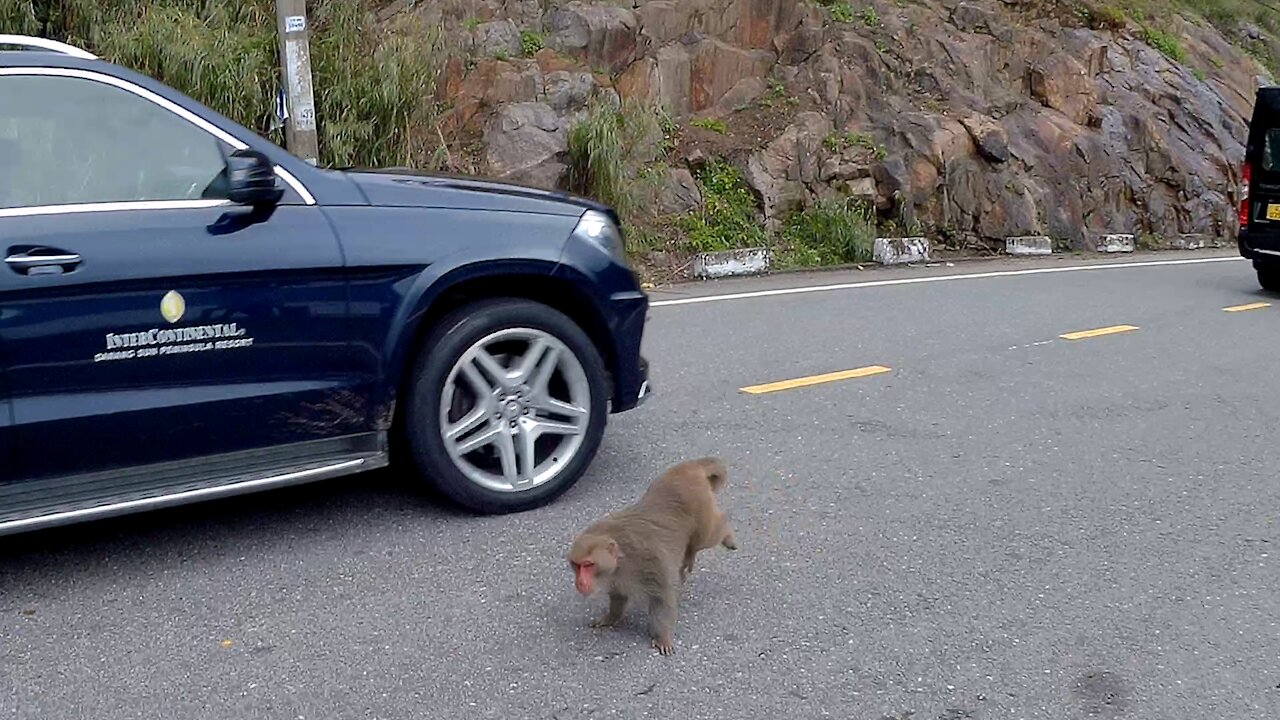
{"x":630,"y":370}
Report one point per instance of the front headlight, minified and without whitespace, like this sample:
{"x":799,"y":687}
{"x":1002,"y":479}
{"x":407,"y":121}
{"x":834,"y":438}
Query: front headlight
{"x":596,"y":227}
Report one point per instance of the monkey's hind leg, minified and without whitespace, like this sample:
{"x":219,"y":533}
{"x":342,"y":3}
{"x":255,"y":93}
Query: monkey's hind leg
{"x":727,"y":538}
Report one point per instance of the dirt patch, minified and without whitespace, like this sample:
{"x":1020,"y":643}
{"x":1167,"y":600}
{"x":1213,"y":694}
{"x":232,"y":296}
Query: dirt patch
{"x":747,"y":129}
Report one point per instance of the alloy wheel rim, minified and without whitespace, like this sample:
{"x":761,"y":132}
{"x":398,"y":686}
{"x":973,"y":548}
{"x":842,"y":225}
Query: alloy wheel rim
{"x":515,"y":410}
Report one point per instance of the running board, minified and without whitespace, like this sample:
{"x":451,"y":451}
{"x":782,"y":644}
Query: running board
{"x":162,"y":497}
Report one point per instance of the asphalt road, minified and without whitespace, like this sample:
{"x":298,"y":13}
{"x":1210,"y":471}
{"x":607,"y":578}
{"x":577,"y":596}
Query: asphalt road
{"x":1006,"y":524}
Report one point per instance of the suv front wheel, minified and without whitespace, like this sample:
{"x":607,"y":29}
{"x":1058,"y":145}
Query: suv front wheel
{"x":507,"y":405}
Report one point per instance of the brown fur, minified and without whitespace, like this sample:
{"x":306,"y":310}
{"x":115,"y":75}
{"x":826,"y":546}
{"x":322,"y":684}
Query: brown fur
{"x":647,"y":549}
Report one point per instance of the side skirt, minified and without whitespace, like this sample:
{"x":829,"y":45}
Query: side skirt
{"x":32,"y":505}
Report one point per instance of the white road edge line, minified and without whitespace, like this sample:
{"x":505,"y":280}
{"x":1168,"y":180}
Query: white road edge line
{"x":934,"y":278}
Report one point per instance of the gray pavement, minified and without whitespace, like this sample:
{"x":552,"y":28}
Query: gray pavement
{"x":1007,"y":525}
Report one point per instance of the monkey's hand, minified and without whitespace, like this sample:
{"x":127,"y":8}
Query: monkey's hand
{"x":664,"y":646}
{"x":607,"y":621}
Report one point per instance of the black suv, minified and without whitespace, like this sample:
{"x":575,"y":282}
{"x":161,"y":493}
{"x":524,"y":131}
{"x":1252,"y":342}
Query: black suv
{"x":188,"y":311}
{"x":1259,"y":238}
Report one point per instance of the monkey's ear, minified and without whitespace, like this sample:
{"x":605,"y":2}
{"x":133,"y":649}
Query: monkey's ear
{"x":613,"y":549}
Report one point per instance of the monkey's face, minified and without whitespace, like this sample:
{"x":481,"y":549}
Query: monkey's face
{"x":594,"y":561}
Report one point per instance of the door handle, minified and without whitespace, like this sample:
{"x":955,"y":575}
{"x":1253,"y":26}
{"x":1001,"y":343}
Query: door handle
{"x":24,"y":261}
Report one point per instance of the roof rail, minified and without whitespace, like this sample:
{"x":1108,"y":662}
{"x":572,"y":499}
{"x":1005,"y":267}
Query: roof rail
{"x":26,"y":41}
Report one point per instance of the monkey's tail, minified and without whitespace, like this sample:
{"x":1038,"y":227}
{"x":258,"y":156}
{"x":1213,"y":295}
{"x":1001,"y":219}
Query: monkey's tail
{"x":716,"y":472}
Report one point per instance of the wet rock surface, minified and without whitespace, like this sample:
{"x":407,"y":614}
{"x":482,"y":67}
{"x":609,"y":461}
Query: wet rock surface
{"x":984,"y":118}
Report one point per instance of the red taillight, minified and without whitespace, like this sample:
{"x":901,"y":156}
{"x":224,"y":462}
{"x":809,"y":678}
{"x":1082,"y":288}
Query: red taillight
{"x":1244,"y":197}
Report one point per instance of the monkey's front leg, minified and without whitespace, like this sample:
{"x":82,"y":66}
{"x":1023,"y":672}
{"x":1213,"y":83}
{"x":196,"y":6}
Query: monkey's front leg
{"x":617,"y":607}
{"x":662,"y":619}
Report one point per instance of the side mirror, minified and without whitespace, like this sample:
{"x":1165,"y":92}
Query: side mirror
{"x":251,"y":179}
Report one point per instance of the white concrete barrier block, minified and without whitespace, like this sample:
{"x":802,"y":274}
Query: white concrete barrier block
{"x":727,"y":263}
{"x":1117,"y":243}
{"x":1195,"y":241}
{"x":898,"y":251}
{"x":1028,"y":245}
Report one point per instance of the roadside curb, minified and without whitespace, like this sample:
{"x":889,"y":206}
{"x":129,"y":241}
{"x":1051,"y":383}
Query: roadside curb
{"x":732,"y":263}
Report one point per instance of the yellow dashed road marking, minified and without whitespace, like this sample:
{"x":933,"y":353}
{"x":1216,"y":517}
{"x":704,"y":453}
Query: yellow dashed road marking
{"x":815,"y":379}
{"x":1081,"y":335}
{"x":1250,"y":306}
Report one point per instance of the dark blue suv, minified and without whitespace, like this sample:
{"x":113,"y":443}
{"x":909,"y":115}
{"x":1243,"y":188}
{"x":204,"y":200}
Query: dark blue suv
{"x":187,"y":311}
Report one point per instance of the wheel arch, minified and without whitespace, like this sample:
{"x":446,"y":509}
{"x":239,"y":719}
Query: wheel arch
{"x":526,"y":280}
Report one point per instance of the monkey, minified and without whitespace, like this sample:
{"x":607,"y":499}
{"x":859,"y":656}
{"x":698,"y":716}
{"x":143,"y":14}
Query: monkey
{"x":647,"y":549}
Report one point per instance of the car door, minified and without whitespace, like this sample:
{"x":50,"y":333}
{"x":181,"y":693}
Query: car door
{"x":144,"y":319}
{"x":6,"y":426}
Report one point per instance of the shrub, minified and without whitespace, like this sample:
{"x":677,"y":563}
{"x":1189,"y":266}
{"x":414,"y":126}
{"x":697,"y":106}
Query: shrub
{"x":870,"y":17}
{"x":19,"y":17}
{"x":1165,"y":42}
{"x":832,"y":232}
{"x":842,"y":12}
{"x":531,"y":42}
{"x":1104,"y":17}
{"x":712,"y":124}
{"x":728,"y":218}
{"x":609,"y":150}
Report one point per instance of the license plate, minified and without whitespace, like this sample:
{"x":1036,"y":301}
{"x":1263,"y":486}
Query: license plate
{"x":1273,"y":212}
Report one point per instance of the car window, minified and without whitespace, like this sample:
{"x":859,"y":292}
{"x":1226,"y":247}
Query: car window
{"x":1271,"y":150}
{"x":72,"y":140}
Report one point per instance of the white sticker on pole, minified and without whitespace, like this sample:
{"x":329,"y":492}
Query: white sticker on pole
{"x":298,"y":78}
{"x":295,"y":23}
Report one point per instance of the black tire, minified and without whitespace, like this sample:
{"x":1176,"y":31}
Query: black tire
{"x":443,"y":346}
{"x":1269,"y":277}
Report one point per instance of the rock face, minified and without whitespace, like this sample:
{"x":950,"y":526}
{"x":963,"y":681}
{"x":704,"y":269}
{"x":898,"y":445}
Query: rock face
{"x":525,"y":143}
{"x":783,"y":173}
{"x":603,"y":35}
{"x":987,"y":118}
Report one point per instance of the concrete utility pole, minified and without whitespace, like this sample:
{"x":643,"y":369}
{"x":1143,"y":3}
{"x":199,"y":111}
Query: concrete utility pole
{"x":295,"y":58}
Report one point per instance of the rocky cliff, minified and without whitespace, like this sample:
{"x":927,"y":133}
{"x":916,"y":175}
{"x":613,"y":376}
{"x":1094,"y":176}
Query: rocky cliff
{"x":973,"y":120}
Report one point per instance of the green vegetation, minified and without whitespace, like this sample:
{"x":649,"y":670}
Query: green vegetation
{"x":838,"y":142}
{"x":609,"y":151}
{"x":1103,"y":17}
{"x":373,"y":83}
{"x":1150,"y":241}
{"x":842,"y":12}
{"x":670,"y":130}
{"x":778,"y":95}
{"x":18,"y":18}
{"x":870,"y":17}
{"x":832,"y":232}
{"x":1200,"y":74}
{"x":713,"y":124}
{"x":639,"y":238}
{"x":727,"y":219}
{"x":1157,"y":22}
{"x":1155,"y":17}
{"x":1165,"y":42}
{"x":531,"y":42}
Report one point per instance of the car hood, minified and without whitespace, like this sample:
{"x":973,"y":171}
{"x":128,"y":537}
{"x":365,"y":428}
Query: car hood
{"x":412,"y":188}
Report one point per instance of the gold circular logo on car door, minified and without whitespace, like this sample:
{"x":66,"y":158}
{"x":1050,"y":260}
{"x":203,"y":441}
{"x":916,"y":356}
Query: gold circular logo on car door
{"x":173,"y":306}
